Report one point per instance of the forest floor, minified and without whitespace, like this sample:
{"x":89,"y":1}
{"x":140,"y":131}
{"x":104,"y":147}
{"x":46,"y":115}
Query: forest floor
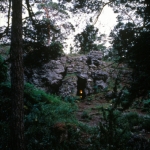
{"x":89,"y":112}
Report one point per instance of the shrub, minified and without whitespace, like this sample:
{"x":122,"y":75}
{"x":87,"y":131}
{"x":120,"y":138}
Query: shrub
{"x":146,"y":105}
{"x":42,"y":111}
{"x":40,"y":54}
{"x":146,"y":123}
{"x":71,"y":99}
{"x":132,"y":118}
{"x":85,"y":115}
{"x":113,"y":130}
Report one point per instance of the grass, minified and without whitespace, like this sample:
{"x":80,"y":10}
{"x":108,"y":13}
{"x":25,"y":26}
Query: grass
{"x":104,"y":105}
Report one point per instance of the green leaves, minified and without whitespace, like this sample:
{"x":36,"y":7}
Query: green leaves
{"x":131,"y":43}
{"x":42,"y":111}
{"x":42,"y":54}
{"x":85,"y":41}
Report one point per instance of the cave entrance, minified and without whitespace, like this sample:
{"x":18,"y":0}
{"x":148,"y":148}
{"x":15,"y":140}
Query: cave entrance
{"x":81,"y":85}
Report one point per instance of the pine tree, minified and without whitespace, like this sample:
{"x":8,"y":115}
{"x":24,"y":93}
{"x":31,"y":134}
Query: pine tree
{"x":17,"y":80}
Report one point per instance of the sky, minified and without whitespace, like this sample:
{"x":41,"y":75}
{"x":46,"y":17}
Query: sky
{"x":107,"y":20}
{"x":105,"y":24}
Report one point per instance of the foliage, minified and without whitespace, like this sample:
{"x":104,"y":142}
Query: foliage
{"x":40,"y":43}
{"x":85,"y":115}
{"x":36,"y":30}
{"x":146,"y":123}
{"x":131,"y":43}
{"x":42,"y":111}
{"x":50,"y":123}
{"x":116,"y":129}
{"x":113,"y":133}
{"x":71,"y":99}
{"x":146,"y":105}
{"x":125,"y":100}
{"x":4,"y":51}
{"x":85,"y":40}
{"x":53,"y":6}
{"x":102,"y":48}
{"x":87,"y":6}
{"x":97,"y":89}
{"x":41,"y":54}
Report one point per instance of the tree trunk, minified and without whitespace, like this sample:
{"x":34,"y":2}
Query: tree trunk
{"x":17,"y":82}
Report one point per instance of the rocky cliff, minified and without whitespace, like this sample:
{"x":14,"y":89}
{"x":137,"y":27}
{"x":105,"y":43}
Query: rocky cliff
{"x":70,"y":76}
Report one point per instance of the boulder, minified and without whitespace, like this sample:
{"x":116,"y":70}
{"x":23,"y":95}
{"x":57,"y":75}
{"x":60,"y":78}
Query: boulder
{"x":100,"y":75}
{"x":46,"y":77}
{"x":101,"y":84}
{"x":61,"y":75}
{"x":110,"y":95}
{"x":69,"y":86}
{"x":94,"y":57}
{"x":89,"y":87}
{"x":83,"y":75}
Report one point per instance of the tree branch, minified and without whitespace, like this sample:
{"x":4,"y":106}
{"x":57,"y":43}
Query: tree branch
{"x":100,"y":11}
{"x":31,"y":14}
{"x":7,"y":29}
{"x":128,"y":15}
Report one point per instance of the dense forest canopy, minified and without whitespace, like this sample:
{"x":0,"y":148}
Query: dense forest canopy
{"x":62,"y":26}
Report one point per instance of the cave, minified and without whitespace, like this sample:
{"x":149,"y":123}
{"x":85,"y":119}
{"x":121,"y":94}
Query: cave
{"x":81,"y":85}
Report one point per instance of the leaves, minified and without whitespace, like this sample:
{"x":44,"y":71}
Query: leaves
{"x":85,"y":41}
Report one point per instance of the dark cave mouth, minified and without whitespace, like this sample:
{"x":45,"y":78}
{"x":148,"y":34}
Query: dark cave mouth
{"x":81,"y":85}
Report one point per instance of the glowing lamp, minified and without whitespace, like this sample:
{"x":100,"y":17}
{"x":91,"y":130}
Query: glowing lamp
{"x":80,"y":91}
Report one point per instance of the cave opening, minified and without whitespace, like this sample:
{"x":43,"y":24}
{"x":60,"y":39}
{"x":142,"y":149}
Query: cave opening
{"x":81,"y":85}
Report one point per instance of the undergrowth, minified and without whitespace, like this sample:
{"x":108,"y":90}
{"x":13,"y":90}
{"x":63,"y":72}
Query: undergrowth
{"x":50,"y":122}
{"x":42,"y":112}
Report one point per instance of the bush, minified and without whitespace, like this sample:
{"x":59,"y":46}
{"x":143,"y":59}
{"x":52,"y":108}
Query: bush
{"x":50,"y":124}
{"x":146,"y":105}
{"x":146,"y":123}
{"x":113,"y":130}
{"x":71,"y":99}
{"x":42,"y":112}
{"x":40,"y":54}
{"x":133,"y":119}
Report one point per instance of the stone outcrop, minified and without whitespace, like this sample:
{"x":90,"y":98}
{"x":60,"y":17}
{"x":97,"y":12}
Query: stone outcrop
{"x":67,"y":75}
{"x":69,"y":86}
{"x":49,"y":76}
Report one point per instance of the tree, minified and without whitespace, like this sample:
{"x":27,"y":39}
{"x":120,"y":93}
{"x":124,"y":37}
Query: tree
{"x":85,"y":41}
{"x":17,"y":79}
{"x":131,"y":37}
{"x":131,"y":43}
{"x":102,"y":48}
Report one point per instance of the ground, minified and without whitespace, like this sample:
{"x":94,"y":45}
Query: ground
{"x":89,"y":110}
{"x":90,"y":114}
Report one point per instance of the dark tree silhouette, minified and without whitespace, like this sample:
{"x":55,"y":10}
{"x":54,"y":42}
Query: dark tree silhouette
{"x":85,"y":40}
{"x":131,"y":43}
{"x":17,"y":83}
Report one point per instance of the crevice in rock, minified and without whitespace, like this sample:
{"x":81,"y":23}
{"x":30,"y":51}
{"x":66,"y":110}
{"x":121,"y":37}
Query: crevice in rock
{"x":65,"y":72}
{"x":57,"y":87}
{"x":81,"y":85}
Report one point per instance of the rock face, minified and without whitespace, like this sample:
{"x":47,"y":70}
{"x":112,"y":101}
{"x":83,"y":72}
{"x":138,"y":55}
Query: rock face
{"x":49,"y":76}
{"x":70,"y":76}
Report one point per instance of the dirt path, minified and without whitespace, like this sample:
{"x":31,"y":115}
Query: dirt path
{"x":89,"y":111}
